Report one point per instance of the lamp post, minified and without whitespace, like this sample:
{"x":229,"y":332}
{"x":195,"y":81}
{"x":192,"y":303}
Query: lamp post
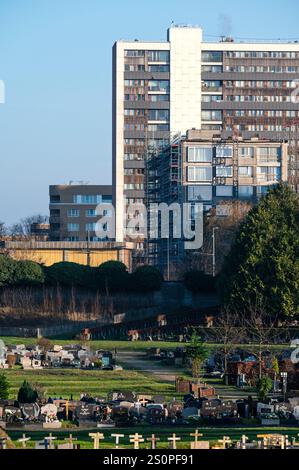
{"x":214,"y":250}
{"x":284,"y":376}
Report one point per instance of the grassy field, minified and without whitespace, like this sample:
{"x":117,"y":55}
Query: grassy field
{"x":64,"y":382}
{"x":127,"y":345}
{"x":163,"y":432}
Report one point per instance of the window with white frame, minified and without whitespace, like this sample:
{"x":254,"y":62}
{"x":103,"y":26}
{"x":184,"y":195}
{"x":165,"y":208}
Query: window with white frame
{"x":200,"y":173}
{"x":200,"y":154}
{"x":224,"y":151}
{"x":73,"y":227}
{"x":224,"y":171}
{"x":246,"y":152}
{"x":245,"y":171}
{"x":73,"y":213}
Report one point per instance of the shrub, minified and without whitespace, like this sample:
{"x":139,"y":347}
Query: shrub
{"x":69,"y":274}
{"x":7,"y":265}
{"x":26,"y":393}
{"x":146,"y":279}
{"x":28,"y":273}
{"x":4,"y":387}
{"x":112,"y":276}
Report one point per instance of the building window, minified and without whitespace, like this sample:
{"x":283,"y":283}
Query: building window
{"x":73,"y":227}
{"x":246,"y":152}
{"x":224,"y":171}
{"x":90,"y":213}
{"x":199,"y":173}
{"x":158,"y":127}
{"x":211,"y":56}
{"x":73,"y":213}
{"x":87,"y":199}
{"x":224,"y":151}
{"x":134,"y":53}
{"x":158,"y":115}
{"x":211,"y":115}
{"x":211,"y":98}
{"x":200,"y":154}
{"x":224,"y":191}
{"x":245,"y":191}
{"x":245,"y":171}
{"x":158,"y":85}
{"x":159,"y":68}
{"x":200,"y":193}
{"x":90,"y":227}
{"x":155,"y":98}
{"x":268,"y":173}
{"x":158,"y":56}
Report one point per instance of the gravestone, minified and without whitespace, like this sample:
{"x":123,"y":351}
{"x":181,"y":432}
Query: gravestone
{"x":85,"y":412}
{"x":200,"y":445}
{"x":122,"y":396}
{"x":30,"y":411}
{"x":190,"y":412}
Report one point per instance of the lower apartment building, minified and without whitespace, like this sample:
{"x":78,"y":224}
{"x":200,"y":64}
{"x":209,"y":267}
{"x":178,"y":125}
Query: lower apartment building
{"x":203,"y":167}
{"x":73,"y":215}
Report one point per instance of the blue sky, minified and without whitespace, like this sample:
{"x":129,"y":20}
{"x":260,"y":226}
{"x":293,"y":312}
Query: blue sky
{"x":55,"y":59}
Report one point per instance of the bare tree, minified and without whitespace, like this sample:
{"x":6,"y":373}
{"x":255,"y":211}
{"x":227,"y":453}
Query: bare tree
{"x":22,"y":229}
{"x":229,"y":332}
{"x":227,"y":218}
{"x":261,"y":330}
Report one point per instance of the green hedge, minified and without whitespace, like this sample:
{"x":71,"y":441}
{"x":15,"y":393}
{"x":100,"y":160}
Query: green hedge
{"x":109,"y":277}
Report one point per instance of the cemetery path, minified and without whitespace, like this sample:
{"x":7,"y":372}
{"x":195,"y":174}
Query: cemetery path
{"x":137,"y":360}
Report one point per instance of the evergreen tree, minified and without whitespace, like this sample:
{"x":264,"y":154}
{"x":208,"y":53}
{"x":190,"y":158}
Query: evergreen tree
{"x":26,"y":393}
{"x":4,"y":387}
{"x":263,"y":265}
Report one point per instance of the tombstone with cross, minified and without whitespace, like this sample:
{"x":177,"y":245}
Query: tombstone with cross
{"x":117,"y":439}
{"x":136,"y":439}
{"x":96,"y":436}
{"x":48,"y":440}
{"x":196,"y":444}
{"x":23,"y":440}
{"x":225,"y":441}
{"x":243,"y":441}
{"x":173,"y":440}
{"x":153,"y":439}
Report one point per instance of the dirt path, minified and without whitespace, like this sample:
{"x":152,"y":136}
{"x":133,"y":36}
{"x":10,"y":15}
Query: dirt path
{"x":137,"y":360}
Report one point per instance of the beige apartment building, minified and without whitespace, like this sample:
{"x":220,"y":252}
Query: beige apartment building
{"x":163,"y":89}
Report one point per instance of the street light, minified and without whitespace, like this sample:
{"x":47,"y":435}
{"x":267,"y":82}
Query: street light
{"x":284,"y":376}
{"x":214,"y":250}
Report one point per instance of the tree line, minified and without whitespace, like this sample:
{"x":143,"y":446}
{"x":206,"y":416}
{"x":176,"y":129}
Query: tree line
{"x":109,"y":277}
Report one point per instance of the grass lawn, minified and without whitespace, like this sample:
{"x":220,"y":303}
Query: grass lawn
{"x":64,"y":382}
{"x":127,"y":345}
{"x":163,"y":432}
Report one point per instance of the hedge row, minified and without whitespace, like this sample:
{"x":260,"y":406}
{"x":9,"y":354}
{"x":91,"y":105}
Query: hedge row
{"x":111,"y":276}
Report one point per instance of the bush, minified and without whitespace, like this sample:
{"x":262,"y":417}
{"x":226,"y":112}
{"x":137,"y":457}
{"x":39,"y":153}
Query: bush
{"x":7,"y":265}
{"x":69,"y":274}
{"x":112,"y":276}
{"x":26,"y":393}
{"x":146,"y":279}
{"x":28,"y":273}
{"x":4,"y":387}
{"x":197,"y":281}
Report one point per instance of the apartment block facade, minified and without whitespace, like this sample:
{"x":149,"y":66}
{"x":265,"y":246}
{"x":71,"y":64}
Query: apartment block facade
{"x":73,"y":215}
{"x":203,"y":167}
{"x":162,"y":89}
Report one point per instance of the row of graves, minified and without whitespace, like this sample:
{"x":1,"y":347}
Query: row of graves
{"x":72,"y":355}
{"x":127,"y":409}
{"x":136,"y":441}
